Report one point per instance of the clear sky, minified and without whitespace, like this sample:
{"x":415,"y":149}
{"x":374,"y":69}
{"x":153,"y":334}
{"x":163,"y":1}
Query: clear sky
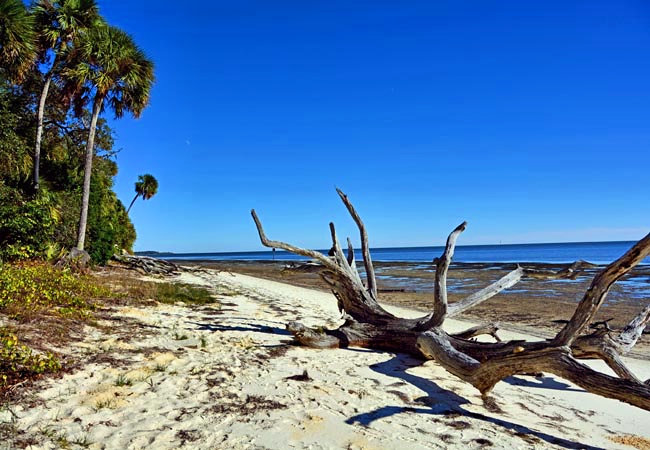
{"x":528,"y":119}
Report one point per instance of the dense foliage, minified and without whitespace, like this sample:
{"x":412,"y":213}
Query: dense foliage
{"x":35,"y":224}
{"x":61,"y":67}
{"x":57,"y":166}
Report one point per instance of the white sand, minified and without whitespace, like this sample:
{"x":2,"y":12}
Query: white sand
{"x":231,"y":393}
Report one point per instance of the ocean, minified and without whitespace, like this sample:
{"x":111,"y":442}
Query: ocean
{"x":593,"y":252}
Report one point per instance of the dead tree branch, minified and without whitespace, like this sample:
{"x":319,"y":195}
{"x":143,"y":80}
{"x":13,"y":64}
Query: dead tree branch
{"x":482,"y":364}
{"x":147,"y":265}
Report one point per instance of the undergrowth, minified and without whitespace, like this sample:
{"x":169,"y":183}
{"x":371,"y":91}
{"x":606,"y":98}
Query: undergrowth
{"x":31,"y":289}
{"x":135,"y":290}
{"x":47,"y":306}
{"x":18,"y":362}
{"x":43,"y":302}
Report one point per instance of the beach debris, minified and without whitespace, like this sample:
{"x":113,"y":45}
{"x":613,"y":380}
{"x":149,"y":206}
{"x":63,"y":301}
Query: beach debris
{"x":147,"y":265}
{"x":308,"y":267}
{"x":482,"y":364}
{"x":304,"y":376}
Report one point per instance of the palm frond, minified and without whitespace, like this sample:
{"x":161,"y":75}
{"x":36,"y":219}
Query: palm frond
{"x":107,"y":61}
{"x":17,"y":38}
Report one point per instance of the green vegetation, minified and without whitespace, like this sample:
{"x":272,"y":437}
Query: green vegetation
{"x":61,"y":67}
{"x":31,"y":289}
{"x":17,"y":37}
{"x":17,"y":361}
{"x":134,"y":290}
{"x":58,"y":301}
{"x":181,"y":292}
{"x":123,"y":380}
{"x":107,"y":63}
{"x":146,"y":187}
{"x":40,"y":293}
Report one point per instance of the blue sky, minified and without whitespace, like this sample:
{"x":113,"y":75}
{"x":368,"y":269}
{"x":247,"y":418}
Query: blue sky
{"x":530,"y":120}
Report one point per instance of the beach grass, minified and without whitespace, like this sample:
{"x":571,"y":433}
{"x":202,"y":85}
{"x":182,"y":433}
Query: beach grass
{"x":45,"y":309}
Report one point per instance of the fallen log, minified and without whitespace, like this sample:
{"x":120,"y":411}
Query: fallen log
{"x":482,"y":364}
{"x":147,"y":265}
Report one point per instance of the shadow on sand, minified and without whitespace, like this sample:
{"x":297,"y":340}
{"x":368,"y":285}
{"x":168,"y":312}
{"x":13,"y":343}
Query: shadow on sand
{"x":442,"y":402}
{"x":245,"y":327}
{"x":438,"y":402}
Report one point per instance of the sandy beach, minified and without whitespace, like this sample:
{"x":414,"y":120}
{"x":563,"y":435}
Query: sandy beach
{"x":171,"y":376}
{"x":533,"y":307}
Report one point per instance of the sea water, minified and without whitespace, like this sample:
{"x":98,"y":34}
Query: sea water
{"x":566,"y":252}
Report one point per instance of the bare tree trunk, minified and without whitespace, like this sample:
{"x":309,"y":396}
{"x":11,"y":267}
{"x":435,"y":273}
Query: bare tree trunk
{"x":88,"y":167}
{"x":39,"y":127}
{"x":132,"y":202}
{"x":481,"y":364}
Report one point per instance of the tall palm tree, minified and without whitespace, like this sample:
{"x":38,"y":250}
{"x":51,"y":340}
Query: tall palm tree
{"x":146,"y":187}
{"x":110,"y":70}
{"x":17,"y":38}
{"x":59,"y":23}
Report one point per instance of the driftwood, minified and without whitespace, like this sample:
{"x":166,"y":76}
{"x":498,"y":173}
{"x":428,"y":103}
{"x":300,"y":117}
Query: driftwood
{"x":308,"y":267}
{"x":482,"y":364}
{"x":147,"y":265}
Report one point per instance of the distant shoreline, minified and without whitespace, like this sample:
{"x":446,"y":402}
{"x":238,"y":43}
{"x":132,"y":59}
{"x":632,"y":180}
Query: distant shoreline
{"x":161,"y":254}
{"x":599,"y":253}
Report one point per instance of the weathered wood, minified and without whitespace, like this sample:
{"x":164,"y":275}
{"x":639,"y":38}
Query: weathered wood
{"x":632,"y":331}
{"x":439,"y":313}
{"x":556,"y":360}
{"x":488,"y":328}
{"x":324,"y":260}
{"x":147,"y":265}
{"x":509,"y":280}
{"x":365,"y":248}
{"x":597,"y":292}
{"x":482,"y":364}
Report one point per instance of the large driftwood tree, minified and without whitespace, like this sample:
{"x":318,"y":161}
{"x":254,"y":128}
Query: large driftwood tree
{"x":482,"y":364}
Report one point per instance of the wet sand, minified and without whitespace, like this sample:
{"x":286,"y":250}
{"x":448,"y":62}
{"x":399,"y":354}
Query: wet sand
{"x":532,"y":306}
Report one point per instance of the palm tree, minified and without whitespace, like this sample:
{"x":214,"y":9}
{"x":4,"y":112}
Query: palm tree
{"x":17,"y":38}
{"x":146,"y":187}
{"x":59,"y":23}
{"x":113,"y":71}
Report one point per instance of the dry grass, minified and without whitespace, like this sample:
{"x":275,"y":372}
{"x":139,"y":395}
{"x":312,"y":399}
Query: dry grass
{"x":130,"y":289}
{"x":43,"y":309}
{"x":631,"y":440}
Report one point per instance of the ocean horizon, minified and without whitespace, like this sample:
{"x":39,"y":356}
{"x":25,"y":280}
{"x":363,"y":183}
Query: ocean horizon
{"x":562,"y":252}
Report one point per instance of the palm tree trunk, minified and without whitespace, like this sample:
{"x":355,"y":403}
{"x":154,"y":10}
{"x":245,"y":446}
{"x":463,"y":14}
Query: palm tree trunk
{"x":132,"y":202}
{"x":39,"y":129}
{"x":90,"y":152}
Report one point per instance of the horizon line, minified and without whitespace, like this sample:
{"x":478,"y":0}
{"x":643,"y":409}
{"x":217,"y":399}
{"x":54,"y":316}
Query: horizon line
{"x":383,"y":248}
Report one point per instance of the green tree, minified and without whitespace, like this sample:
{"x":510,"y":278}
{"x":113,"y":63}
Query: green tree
{"x":59,"y":23}
{"x":17,"y":39}
{"x":146,"y":187}
{"x":111,"y":69}
{"x":16,"y":129}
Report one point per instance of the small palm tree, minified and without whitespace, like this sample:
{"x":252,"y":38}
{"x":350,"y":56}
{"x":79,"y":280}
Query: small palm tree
{"x":110,"y":70}
{"x":59,"y":24}
{"x":146,"y":187}
{"x":17,"y":39}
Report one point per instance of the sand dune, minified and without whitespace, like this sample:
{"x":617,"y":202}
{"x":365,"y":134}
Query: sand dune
{"x":226,"y":378}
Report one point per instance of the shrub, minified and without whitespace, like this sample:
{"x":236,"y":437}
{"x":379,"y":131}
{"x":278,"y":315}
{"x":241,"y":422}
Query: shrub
{"x":109,"y":228}
{"x":17,"y":361}
{"x":26,"y":225}
{"x":29,"y":288}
